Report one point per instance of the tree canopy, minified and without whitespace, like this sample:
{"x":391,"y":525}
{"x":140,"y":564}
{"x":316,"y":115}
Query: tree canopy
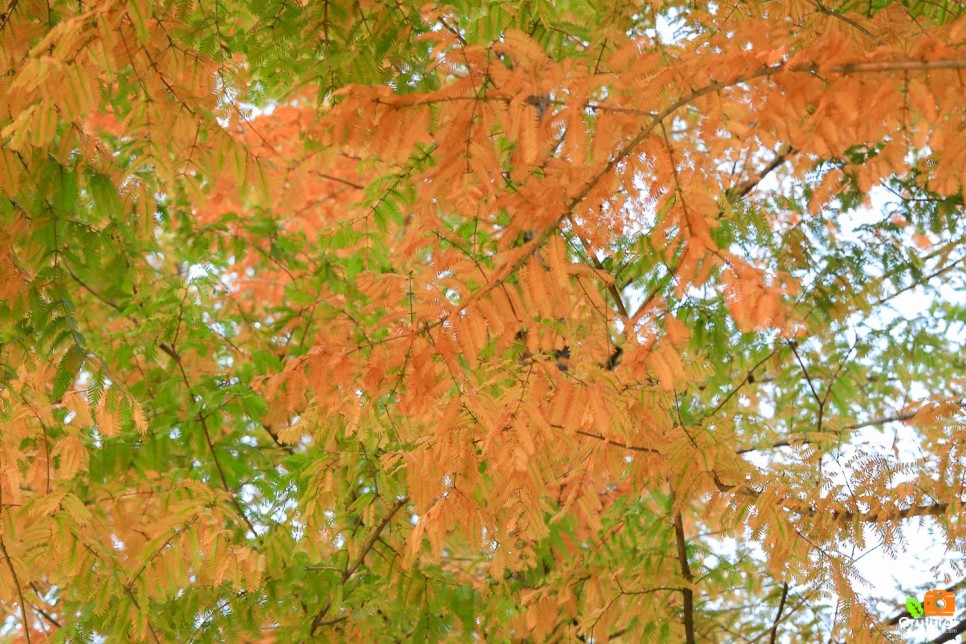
{"x":535,"y":319}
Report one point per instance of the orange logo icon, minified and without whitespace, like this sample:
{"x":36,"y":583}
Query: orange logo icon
{"x":939,"y":603}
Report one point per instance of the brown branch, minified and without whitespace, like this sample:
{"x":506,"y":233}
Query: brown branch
{"x":633,"y":448}
{"x":127,"y":590}
{"x":8,"y":13}
{"x":137,"y":605}
{"x":318,"y":622}
{"x":716,"y":86}
{"x":872,"y":422}
{"x":778,"y":615}
{"x":144,"y":566}
{"x":612,"y":287}
{"x":371,"y":541}
{"x":749,"y":377}
{"x":951,"y":634}
{"x":741,"y":190}
{"x":687,"y":592}
{"x":16,"y":583}
{"x":174,"y":355}
{"x":838,"y":16}
{"x":90,"y":290}
{"x":332,"y":177}
{"x":921,"y":281}
{"x":933,"y":509}
{"x":782,"y":443}
{"x":50,"y":620}
{"x":211,"y":446}
{"x":766,"y":379}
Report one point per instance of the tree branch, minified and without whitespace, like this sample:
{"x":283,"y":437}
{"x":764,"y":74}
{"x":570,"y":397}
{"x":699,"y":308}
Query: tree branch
{"x":687,"y":592}
{"x":50,"y":620}
{"x":872,"y":422}
{"x":921,"y":281}
{"x":8,"y":13}
{"x":211,"y":446}
{"x":933,"y":509}
{"x":612,"y":287}
{"x":838,"y":16}
{"x":633,"y":448}
{"x":318,"y":622}
{"x":16,"y":583}
{"x":951,"y":634}
{"x":778,"y":615}
{"x":742,"y":190}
